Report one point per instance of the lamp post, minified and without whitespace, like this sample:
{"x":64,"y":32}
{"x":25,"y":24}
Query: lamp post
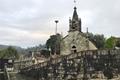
{"x":56,"y":21}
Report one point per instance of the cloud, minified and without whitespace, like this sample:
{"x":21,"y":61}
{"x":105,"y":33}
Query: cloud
{"x":31,"y":22}
{"x":13,"y":36}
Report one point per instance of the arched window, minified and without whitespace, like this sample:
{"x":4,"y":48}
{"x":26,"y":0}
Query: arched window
{"x":74,"y":49}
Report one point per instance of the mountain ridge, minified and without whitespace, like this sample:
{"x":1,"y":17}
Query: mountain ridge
{"x":19,"y":49}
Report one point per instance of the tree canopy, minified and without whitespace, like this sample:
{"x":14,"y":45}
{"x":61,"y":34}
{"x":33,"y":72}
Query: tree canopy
{"x":97,"y":39}
{"x":112,"y":42}
{"x":53,"y":43}
{"x":9,"y":52}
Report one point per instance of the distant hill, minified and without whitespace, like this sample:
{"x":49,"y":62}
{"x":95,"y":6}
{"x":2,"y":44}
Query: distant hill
{"x":19,"y":49}
{"x":24,"y":51}
{"x":3,"y":47}
{"x":36,"y":48}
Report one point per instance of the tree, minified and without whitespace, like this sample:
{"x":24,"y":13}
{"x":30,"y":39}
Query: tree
{"x":118,"y":44}
{"x":98,"y":40}
{"x":110,"y":42}
{"x":53,"y":43}
{"x":10,"y":52}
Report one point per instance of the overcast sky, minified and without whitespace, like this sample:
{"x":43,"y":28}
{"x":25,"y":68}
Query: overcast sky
{"x":28,"y":23}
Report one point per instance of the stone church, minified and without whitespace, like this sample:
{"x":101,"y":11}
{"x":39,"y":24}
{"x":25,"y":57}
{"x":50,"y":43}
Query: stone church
{"x":75,"y":41}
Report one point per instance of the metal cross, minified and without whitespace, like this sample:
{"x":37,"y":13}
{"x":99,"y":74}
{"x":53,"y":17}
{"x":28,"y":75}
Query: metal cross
{"x":75,"y":1}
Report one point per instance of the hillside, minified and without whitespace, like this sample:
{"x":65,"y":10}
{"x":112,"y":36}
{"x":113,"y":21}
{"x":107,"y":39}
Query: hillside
{"x":19,"y":49}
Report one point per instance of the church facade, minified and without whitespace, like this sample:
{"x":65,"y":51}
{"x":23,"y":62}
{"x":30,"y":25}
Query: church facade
{"x":75,"y":41}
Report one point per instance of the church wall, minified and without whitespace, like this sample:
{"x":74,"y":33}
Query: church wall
{"x":75,"y":39}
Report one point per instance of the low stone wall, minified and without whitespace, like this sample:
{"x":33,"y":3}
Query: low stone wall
{"x":77,"y":66}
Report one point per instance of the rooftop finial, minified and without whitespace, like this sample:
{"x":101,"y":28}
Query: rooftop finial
{"x":87,"y":30}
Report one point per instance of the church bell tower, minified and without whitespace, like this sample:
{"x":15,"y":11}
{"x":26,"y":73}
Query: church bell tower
{"x":75,"y":22}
